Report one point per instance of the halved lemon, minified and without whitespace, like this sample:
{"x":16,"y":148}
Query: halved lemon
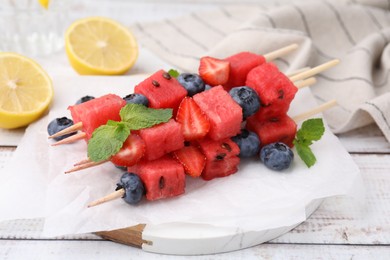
{"x":100,"y":46}
{"x":26,"y":91}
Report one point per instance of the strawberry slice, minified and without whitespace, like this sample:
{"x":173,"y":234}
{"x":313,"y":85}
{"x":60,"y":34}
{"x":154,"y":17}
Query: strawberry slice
{"x":195,"y":124}
{"x":214,"y":71}
{"x":131,"y":152}
{"x":192,"y":160}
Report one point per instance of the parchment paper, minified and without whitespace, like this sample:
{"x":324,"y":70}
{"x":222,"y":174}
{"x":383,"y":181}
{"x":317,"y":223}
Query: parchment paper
{"x":34,"y":184}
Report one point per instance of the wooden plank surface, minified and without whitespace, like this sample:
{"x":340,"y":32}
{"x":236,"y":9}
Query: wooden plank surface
{"x":339,"y":229}
{"x":12,"y":249}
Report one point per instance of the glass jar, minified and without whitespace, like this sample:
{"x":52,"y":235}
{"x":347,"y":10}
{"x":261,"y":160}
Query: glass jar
{"x":29,"y":29}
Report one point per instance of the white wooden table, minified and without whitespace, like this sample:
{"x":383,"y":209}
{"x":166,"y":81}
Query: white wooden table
{"x":339,"y":229}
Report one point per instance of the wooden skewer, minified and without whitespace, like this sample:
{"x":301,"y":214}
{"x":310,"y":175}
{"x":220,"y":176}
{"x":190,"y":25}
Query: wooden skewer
{"x":71,"y":139}
{"x":315,"y":70}
{"x":73,"y":128}
{"x":82,"y":162}
{"x":280,"y":52}
{"x":305,"y":83}
{"x":295,"y":72}
{"x":115,"y":195}
{"x":315,"y":110}
{"x":85,"y":166}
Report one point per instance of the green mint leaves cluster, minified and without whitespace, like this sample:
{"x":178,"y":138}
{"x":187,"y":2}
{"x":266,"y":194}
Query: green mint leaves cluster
{"x":310,"y":131}
{"x":108,"y":139}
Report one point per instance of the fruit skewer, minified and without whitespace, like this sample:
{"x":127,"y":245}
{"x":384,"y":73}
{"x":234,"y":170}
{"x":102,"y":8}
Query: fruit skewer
{"x":79,"y":125}
{"x":303,"y":79}
{"x":87,"y":163}
{"x":120,"y":193}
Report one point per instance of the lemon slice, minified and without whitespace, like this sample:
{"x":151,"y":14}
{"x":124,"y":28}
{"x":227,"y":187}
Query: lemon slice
{"x":26,"y":90}
{"x":100,"y":46}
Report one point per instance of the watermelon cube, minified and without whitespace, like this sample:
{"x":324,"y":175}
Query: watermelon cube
{"x":240,"y":65}
{"x":162,"y":178}
{"x":224,"y":114}
{"x":162,"y":139}
{"x":221,"y":158}
{"x":275,"y":90}
{"x":97,"y":112}
{"x":278,"y":129}
{"x":162,"y":90}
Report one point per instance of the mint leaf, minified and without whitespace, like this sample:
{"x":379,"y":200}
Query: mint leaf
{"x":138,"y":116}
{"x":311,"y":130}
{"x":107,"y":140}
{"x":306,"y":154}
{"x":173,"y":73}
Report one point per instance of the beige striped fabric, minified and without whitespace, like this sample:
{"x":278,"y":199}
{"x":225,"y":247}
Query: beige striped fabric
{"x":356,"y":32}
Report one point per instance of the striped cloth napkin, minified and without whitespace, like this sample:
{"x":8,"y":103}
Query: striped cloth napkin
{"x":356,"y":32}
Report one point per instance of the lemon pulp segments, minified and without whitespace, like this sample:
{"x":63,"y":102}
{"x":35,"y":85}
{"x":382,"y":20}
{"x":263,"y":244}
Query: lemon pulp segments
{"x":100,"y":46}
{"x":25,"y":90}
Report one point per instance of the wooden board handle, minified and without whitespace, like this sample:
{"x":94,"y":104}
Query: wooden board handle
{"x":131,"y":236}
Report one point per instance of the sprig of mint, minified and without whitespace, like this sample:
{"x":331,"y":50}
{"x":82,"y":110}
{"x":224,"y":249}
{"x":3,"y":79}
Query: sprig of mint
{"x":173,"y":73}
{"x":310,"y":131}
{"x":108,"y":139}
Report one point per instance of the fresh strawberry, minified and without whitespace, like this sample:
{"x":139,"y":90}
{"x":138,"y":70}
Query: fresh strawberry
{"x":131,"y":152}
{"x":214,"y":71}
{"x":192,"y":160}
{"x":195,"y":124}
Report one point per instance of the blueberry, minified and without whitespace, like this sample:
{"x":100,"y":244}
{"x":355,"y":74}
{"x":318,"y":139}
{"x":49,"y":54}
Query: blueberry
{"x":247,"y":98}
{"x":84,"y":99}
{"x":136,"y":99}
{"x":248,"y":142}
{"x":276,"y":156}
{"x":191,"y":82}
{"x":59,"y":124}
{"x":134,"y":188}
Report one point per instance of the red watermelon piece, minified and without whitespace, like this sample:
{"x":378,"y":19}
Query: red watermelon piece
{"x":240,"y":65}
{"x":97,"y":112}
{"x":225,"y":115}
{"x":275,"y":90}
{"x":162,"y":90}
{"x":162,"y":178}
{"x":278,"y":129}
{"x":162,"y":139}
{"x":221,"y":158}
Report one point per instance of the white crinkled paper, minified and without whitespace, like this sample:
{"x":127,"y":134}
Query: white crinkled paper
{"x":254,"y":198}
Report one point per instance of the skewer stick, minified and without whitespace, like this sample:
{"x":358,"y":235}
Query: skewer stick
{"x":306,"y":82}
{"x":295,"y":72}
{"x":115,"y":195}
{"x":71,"y":139}
{"x":73,"y":128}
{"x":82,"y":162}
{"x":84,"y":166}
{"x":280,"y":52}
{"x":315,"y":110}
{"x":315,"y":70}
